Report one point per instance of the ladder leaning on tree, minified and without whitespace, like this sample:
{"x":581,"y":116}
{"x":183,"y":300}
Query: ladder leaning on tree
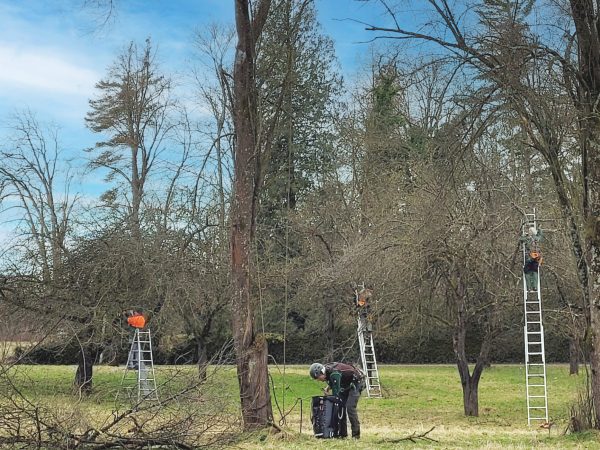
{"x":369,"y":361}
{"x":365,"y":343}
{"x":535,"y":359}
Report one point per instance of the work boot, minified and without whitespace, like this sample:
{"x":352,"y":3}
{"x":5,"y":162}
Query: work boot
{"x":355,"y":435}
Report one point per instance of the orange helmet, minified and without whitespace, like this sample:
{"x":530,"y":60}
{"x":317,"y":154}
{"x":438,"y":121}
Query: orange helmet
{"x":534,"y":254}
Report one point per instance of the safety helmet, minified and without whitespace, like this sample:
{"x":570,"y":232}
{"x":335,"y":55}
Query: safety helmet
{"x":316,"y":369}
{"x":534,"y":254}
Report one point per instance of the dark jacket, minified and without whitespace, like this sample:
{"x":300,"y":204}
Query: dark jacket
{"x":341,"y":377}
{"x":531,"y":265}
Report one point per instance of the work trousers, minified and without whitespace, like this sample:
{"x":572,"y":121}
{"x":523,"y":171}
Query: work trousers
{"x":531,"y":280}
{"x":350,"y":398}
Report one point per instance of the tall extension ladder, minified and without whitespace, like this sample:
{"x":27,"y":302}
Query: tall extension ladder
{"x":535,"y":359}
{"x":139,"y":381}
{"x":367,"y":356}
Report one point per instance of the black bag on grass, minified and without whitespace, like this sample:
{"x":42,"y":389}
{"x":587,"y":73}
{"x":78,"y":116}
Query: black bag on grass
{"x":328,"y":417}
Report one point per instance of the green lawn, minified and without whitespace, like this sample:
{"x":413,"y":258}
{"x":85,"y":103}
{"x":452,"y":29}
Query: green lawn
{"x":417,"y":398}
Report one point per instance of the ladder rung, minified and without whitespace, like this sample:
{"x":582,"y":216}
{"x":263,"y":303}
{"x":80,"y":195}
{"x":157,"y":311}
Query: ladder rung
{"x":535,"y":353}
{"x":536,"y":364}
{"x":536,"y":396}
{"x":536,"y":385}
{"x":536,"y":407}
{"x":534,"y":332}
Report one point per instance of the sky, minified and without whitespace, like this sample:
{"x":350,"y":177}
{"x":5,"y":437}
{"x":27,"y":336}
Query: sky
{"x":53,"y":52}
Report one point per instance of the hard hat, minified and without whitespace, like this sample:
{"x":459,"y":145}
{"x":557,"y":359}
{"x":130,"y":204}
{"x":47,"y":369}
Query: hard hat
{"x":534,"y":254}
{"x":316,"y":369}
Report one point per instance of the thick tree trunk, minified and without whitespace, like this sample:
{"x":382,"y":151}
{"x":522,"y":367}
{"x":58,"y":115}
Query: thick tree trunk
{"x":592,"y":199}
{"x":586,"y":21}
{"x":251,"y":349}
{"x":594,"y":276}
{"x":85,"y":367}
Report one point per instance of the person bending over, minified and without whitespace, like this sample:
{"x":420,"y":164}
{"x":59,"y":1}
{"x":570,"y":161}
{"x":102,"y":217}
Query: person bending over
{"x":346,"y":382}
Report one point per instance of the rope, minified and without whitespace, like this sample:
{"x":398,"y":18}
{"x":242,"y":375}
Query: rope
{"x":291,"y":62}
{"x":283,"y":419}
{"x":260,"y":299}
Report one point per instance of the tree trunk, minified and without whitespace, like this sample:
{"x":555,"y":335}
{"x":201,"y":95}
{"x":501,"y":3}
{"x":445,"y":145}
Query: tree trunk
{"x":136,"y":195}
{"x":586,"y":21}
{"x":593,"y":244}
{"x":470,"y":396}
{"x":573,"y":356}
{"x":202,"y":358}
{"x":470,"y":386}
{"x":251,"y":349}
{"x":329,"y":327}
{"x":595,"y":366}
{"x":469,"y":382}
{"x":85,"y":367}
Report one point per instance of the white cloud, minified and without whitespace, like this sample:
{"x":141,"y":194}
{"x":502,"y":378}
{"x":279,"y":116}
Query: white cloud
{"x":43,"y":70}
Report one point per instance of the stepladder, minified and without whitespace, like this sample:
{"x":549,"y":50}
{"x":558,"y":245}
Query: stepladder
{"x":367,"y":356}
{"x":535,"y":359}
{"x":139,"y":379}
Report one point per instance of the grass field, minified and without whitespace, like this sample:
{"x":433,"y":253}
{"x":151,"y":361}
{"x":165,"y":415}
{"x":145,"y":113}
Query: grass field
{"x":417,"y":398}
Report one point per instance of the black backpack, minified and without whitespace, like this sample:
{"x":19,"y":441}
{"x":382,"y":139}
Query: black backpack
{"x":328,"y":417}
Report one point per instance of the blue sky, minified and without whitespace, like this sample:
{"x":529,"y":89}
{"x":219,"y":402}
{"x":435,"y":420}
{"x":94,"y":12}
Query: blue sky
{"x":51,"y":54}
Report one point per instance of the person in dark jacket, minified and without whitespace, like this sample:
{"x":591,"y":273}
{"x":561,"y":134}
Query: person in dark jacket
{"x":530,"y":270}
{"x":532,"y":237}
{"x":346,"y":382}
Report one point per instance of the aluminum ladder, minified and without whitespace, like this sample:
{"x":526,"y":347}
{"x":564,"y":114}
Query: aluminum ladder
{"x":535,"y":358}
{"x":367,"y":356}
{"x":139,"y":380}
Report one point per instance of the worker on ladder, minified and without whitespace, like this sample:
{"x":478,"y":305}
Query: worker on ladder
{"x":533,"y":256}
{"x":531,"y":270}
{"x":532,"y":237}
{"x":137,"y":320}
{"x":363,"y":297}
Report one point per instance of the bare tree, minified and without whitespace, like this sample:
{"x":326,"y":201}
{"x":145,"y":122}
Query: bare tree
{"x":507,"y":54}
{"x":35,"y":181}
{"x":132,"y":107}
